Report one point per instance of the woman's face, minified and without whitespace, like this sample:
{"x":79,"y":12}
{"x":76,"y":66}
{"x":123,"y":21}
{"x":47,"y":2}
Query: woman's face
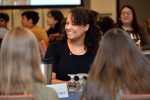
{"x":126,"y":16}
{"x":75,"y":32}
{"x":51,"y":20}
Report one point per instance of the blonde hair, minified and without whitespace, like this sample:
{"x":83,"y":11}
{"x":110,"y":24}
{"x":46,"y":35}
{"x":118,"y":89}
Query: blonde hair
{"x":19,"y":62}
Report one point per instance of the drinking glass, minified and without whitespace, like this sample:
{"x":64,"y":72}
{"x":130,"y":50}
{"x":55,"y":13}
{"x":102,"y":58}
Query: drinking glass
{"x":81,"y":82}
{"x":72,"y":82}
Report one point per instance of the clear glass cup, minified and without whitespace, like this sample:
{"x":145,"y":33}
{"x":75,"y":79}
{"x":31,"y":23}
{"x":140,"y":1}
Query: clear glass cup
{"x":72,"y":82}
{"x":81,"y":82}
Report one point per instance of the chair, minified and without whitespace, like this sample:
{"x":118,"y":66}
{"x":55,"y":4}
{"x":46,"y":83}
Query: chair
{"x":17,"y":97}
{"x":136,"y":97}
{"x":43,"y":47}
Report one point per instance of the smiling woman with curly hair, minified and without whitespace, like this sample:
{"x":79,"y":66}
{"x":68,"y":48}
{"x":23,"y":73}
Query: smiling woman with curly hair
{"x":76,"y":51}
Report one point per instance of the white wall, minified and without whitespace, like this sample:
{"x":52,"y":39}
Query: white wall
{"x":106,"y":7}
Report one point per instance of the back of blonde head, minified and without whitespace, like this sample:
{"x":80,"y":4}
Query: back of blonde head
{"x":19,"y":62}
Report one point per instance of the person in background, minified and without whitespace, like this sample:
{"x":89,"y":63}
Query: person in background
{"x":4,"y":19}
{"x":95,"y":15}
{"x":148,"y":25}
{"x":54,"y":19}
{"x":30,"y":20}
{"x":20,"y":71}
{"x":127,"y":20}
{"x":119,"y":68}
{"x":76,"y":51}
{"x":106,"y":23}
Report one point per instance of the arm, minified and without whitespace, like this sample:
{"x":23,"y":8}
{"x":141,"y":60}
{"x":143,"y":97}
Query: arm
{"x":54,"y":51}
{"x":56,"y":81}
{"x":54,"y":36}
{"x":51,"y":52}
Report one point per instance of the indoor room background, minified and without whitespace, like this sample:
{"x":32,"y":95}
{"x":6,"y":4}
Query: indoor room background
{"x":104,"y":7}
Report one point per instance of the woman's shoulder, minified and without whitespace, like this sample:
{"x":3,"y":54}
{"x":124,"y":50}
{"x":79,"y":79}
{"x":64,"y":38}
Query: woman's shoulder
{"x":45,"y":93}
{"x":58,"y":43}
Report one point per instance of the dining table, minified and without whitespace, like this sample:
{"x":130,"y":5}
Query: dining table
{"x":73,"y":95}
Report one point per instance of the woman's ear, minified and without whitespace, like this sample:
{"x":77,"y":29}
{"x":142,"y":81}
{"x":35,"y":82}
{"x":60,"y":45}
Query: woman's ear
{"x":87,"y":27}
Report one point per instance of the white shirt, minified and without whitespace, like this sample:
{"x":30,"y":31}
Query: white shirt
{"x":3,"y":31}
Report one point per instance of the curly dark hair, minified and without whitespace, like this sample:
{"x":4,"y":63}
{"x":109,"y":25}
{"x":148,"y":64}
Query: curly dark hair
{"x":82,"y":16}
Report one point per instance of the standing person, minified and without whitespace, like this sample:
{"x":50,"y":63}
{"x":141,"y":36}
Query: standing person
{"x":54,"y":19}
{"x":4,"y":19}
{"x":128,"y":21}
{"x":119,"y":67}
{"x":76,"y":51}
{"x":20,"y":71}
{"x":30,"y":20}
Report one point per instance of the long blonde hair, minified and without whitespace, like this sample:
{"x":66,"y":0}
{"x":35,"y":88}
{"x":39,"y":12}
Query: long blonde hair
{"x":19,"y":62}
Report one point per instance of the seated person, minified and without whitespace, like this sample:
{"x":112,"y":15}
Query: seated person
{"x":30,"y":20}
{"x":106,"y":23}
{"x":54,"y":19}
{"x":128,"y":21}
{"x":4,"y":19}
{"x":119,"y":68}
{"x":20,"y":71}
{"x":76,"y":51}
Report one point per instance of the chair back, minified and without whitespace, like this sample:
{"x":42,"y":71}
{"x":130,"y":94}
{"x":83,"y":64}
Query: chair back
{"x":17,"y":97}
{"x":136,"y":97}
{"x":44,"y":45}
